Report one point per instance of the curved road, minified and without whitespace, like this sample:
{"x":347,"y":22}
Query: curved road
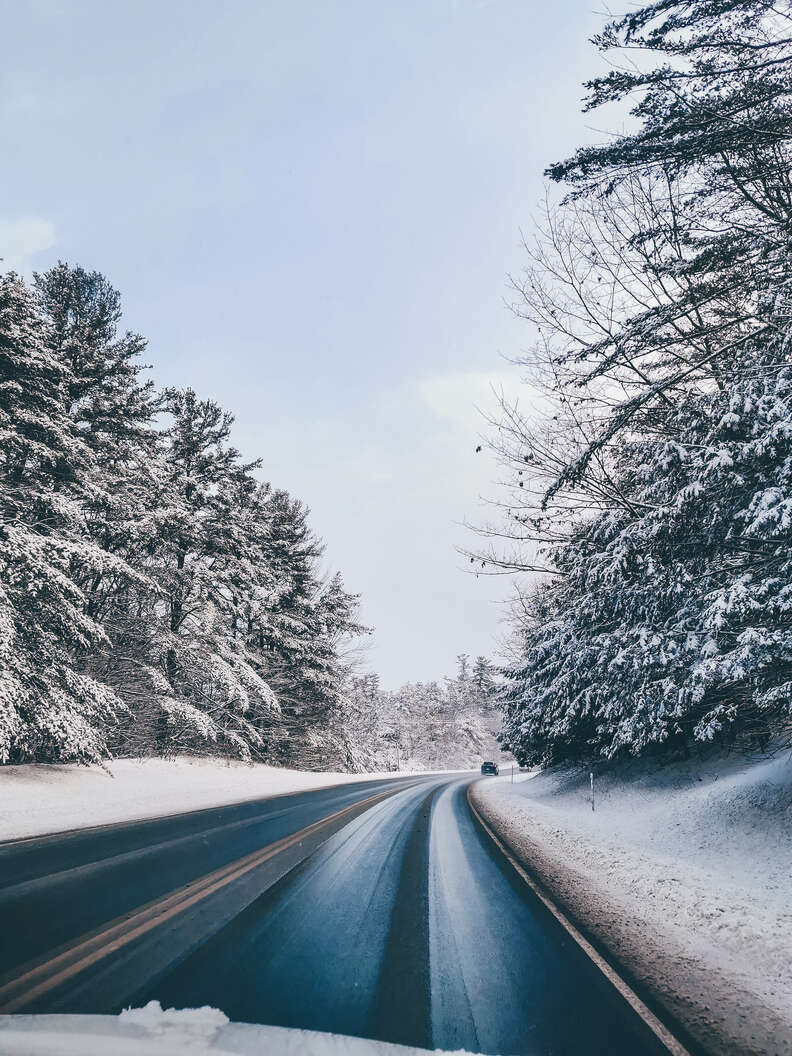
{"x":378,"y":909}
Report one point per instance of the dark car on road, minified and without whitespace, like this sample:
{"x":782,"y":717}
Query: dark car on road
{"x":489,"y":768}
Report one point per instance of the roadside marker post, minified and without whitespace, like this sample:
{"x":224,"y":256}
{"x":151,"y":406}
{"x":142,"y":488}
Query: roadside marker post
{"x":591,"y":775}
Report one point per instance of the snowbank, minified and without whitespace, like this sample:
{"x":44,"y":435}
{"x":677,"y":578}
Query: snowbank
{"x":41,"y":798}
{"x":151,"y":1032}
{"x":684,"y":874}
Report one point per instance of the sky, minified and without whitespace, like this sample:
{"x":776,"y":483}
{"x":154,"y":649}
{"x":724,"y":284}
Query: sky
{"x":311,"y":208}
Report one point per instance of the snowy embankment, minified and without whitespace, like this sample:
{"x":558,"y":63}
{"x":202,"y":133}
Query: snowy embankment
{"x":151,"y":1032}
{"x":42,"y":798}
{"x":684,"y":874}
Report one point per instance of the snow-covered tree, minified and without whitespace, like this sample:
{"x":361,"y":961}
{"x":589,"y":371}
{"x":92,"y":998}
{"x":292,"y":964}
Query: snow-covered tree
{"x":425,"y":725}
{"x":211,"y":686}
{"x":50,"y":708}
{"x":301,"y":638}
{"x":113,"y":411}
{"x":654,"y":494}
{"x":672,"y":623}
{"x":156,"y":596}
{"x":484,"y":678}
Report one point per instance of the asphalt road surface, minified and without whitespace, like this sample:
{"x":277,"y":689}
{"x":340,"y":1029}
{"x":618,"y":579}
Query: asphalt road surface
{"x":386,"y":912}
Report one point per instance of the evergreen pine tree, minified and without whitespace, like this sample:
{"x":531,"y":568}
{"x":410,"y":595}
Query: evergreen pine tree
{"x":49,"y":707}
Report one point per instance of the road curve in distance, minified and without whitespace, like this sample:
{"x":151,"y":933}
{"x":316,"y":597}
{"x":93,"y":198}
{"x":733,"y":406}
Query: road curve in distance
{"x":408,"y":926}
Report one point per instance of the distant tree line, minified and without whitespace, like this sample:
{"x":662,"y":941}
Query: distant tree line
{"x":655,"y":495}
{"x":155,"y":595}
{"x":426,"y":725}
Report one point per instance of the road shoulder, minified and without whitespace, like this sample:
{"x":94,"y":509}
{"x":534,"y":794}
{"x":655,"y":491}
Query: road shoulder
{"x":636,"y":909}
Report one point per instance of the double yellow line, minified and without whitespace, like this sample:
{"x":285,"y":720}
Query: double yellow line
{"x":23,"y":990}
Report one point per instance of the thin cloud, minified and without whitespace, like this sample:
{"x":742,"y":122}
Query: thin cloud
{"x":21,"y":239}
{"x":463,"y":398}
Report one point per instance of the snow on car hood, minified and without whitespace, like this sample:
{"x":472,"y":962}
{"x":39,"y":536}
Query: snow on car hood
{"x":150,"y":1031}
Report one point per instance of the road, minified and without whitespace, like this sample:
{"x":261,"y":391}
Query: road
{"x":388,"y":913}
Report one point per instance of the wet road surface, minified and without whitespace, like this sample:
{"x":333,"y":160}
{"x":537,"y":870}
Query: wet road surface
{"x":405,"y":924}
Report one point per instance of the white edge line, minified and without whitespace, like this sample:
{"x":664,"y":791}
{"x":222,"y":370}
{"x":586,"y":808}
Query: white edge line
{"x":661,"y":1032}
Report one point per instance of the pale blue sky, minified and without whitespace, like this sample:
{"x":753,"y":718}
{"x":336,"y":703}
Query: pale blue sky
{"x":310,"y":209}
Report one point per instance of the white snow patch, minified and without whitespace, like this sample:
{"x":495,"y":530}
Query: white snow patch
{"x":186,"y":1025}
{"x":684,"y":873}
{"x":150,"y":1031}
{"x":36,"y":799}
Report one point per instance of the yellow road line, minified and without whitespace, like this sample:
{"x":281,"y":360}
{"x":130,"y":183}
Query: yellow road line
{"x":658,"y":1028}
{"x":39,"y":980}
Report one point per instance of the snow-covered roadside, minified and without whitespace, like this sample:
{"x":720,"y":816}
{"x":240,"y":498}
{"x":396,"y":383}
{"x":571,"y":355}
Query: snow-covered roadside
{"x":40,"y":798}
{"x":685,"y":874}
{"x":151,"y":1032}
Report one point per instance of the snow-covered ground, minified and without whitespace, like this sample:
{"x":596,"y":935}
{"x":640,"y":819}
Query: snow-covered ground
{"x":151,"y":1032}
{"x":684,"y":873}
{"x":43,"y":798}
